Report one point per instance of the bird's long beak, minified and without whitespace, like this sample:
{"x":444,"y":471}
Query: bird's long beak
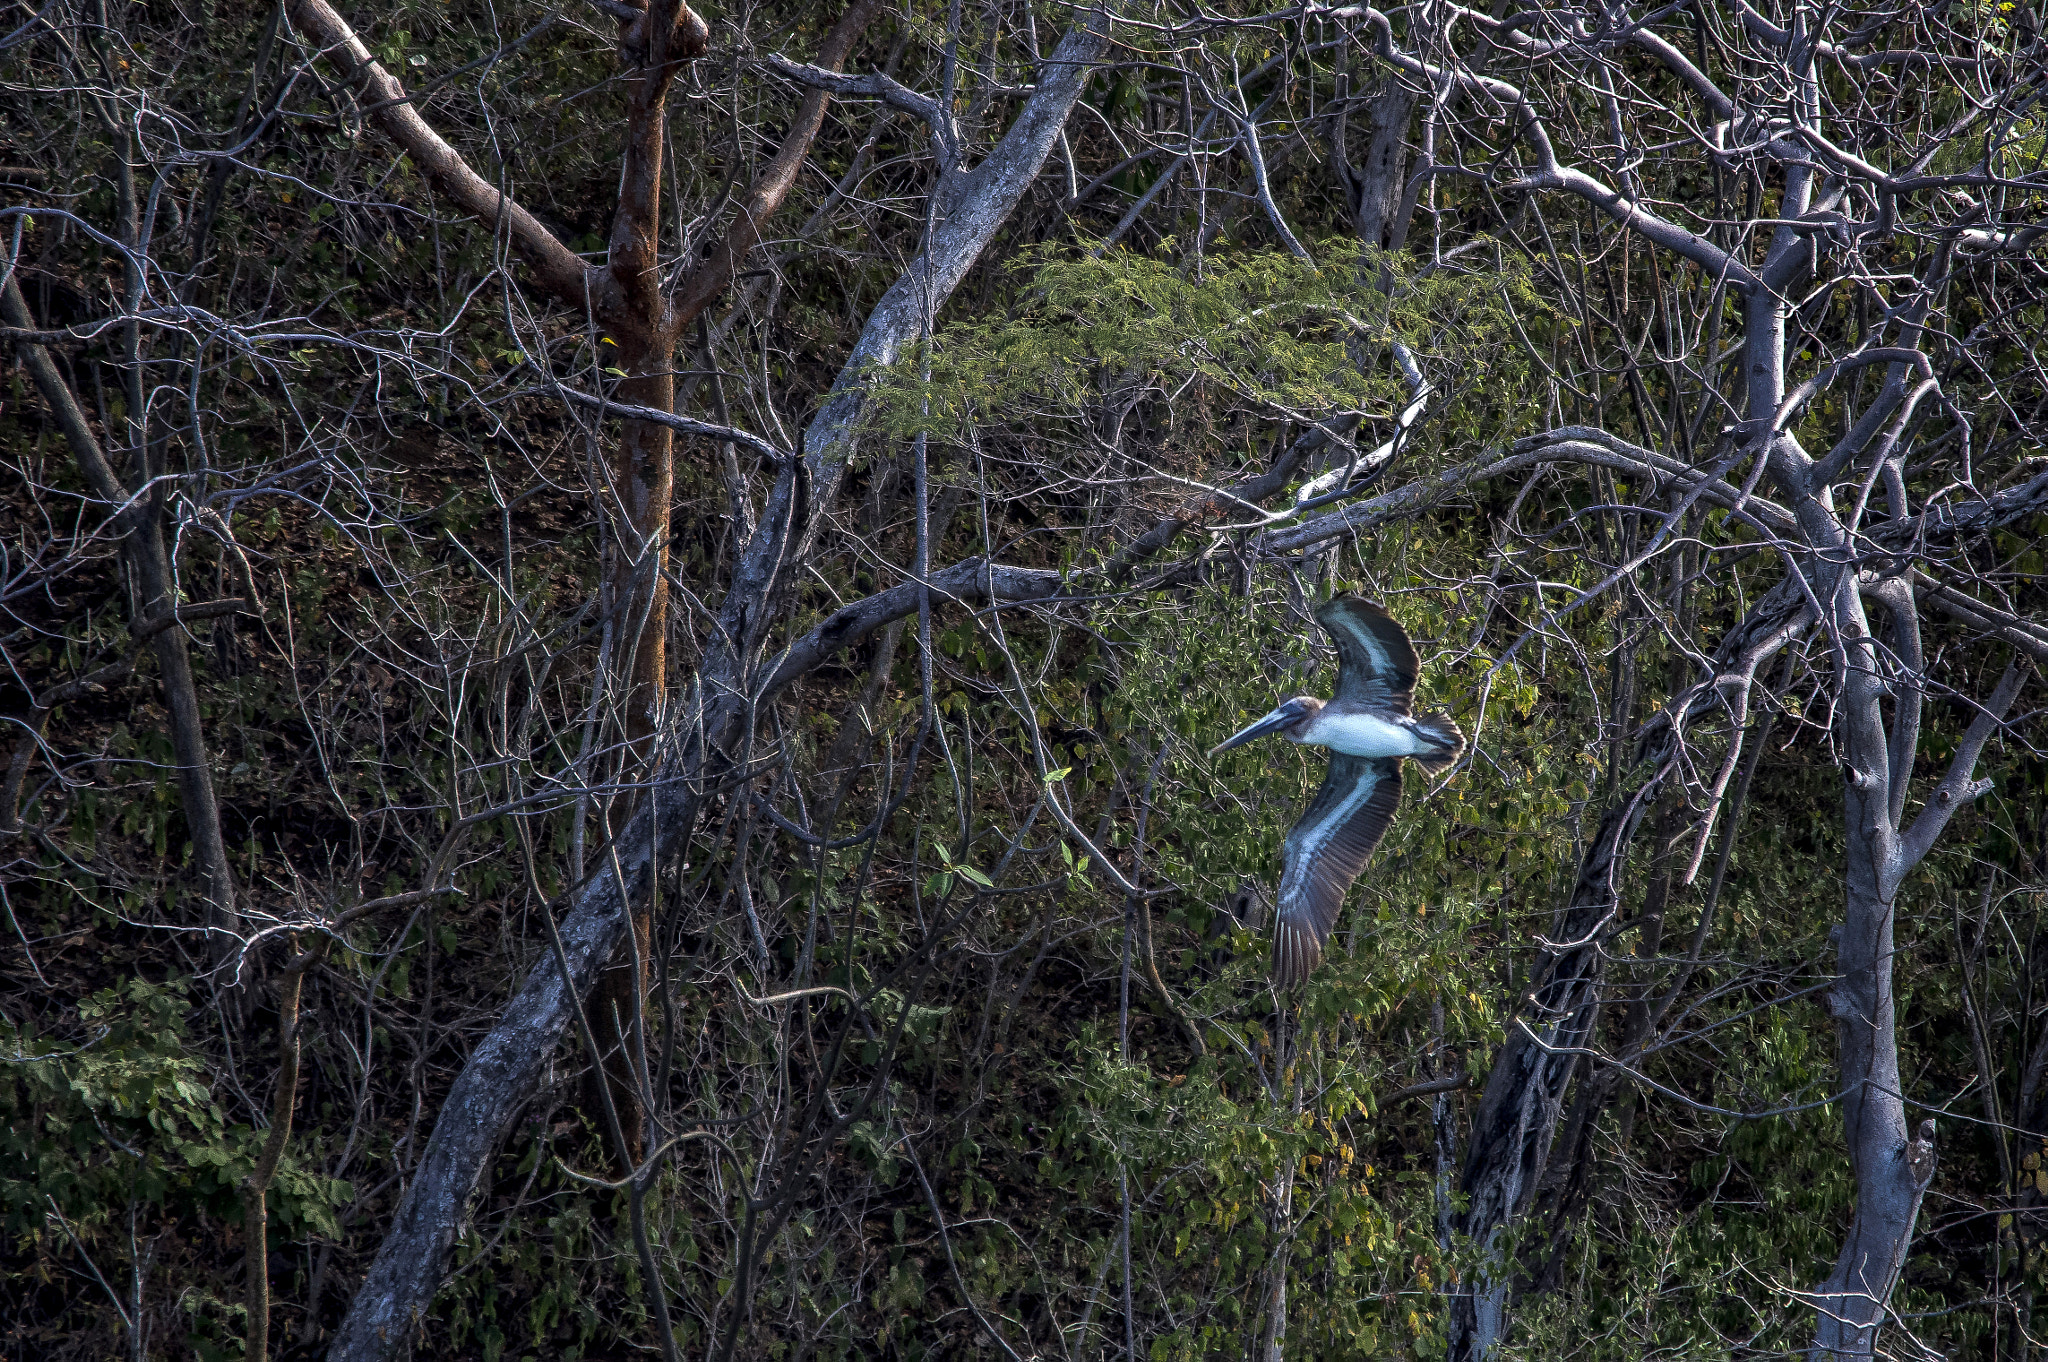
{"x":1283,"y":717}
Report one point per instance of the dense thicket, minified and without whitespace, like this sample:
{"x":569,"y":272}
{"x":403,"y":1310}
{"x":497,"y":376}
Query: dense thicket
{"x":613,"y":617}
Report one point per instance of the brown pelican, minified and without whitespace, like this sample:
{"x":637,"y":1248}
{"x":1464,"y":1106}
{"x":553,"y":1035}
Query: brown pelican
{"x":1368,"y":728}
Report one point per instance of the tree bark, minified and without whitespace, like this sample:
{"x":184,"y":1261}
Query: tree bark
{"x":140,"y":519}
{"x":1512,"y":1130}
{"x":255,"y":1207}
{"x":643,"y":481}
{"x":639,"y":326}
{"x":1892,"y":1173}
{"x":503,"y":1072}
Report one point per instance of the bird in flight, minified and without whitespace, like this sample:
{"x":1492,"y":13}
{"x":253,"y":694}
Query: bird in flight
{"x":1368,"y":727}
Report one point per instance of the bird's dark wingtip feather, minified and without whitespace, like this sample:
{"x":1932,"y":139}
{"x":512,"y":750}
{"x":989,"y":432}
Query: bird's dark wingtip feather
{"x":1295,"y":955}
{"x":1376,"y":659}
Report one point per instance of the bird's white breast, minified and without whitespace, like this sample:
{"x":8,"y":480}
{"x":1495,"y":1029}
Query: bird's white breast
{"x":1363,"y":735}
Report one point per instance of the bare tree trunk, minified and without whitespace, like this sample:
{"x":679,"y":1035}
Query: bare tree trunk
{"x":1374,"y":186}
{"x":631,"y":304}
{"x":1892,"y":1172}
{"x":1561,"y":1196}
{"x":255,"y":1208}
{"x":643,"y":480}
{"x":1509,"y":1143}
{"x":504,"y":1071}
{"x":641,"y":323}
{"x":155,"y":615}
{"x":500,"y":1077}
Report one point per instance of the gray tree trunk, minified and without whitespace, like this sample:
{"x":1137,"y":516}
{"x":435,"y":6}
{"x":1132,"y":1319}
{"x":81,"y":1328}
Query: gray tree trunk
{"x":1892,"y":1171}
{"x":1511,"y":1134}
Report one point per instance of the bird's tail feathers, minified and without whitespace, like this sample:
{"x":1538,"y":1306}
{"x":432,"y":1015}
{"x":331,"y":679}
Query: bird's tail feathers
{"x":1440,"y":730}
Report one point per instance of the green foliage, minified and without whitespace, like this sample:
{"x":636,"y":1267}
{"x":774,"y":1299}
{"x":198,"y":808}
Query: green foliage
{"x":72,"y":1115}
{"x":1256,"y":327}
{"x":113,"y":1132}
{"x":434,"y":589}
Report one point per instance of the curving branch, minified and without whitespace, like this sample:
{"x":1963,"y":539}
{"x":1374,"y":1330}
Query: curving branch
{"x":1550,"y":173}
{"x":980,"y":203}
{"x":1569,"y":444}
{"x":687,"y":425}
{"x":1960,"y":784}
{"x":973,"y":582}
{"x":880,"y":85}
{"x":558,"y":269}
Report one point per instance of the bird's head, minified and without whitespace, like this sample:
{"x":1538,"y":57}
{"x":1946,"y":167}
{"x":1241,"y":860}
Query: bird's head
{"x":1291,"y":717}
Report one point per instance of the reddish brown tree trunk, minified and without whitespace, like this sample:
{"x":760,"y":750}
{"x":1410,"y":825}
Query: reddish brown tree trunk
{"x":645,"y":327}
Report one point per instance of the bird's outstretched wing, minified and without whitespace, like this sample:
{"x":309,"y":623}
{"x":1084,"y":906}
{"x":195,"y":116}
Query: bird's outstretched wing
{"x":1376,"y":663}
{"x":1324,"y":853}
